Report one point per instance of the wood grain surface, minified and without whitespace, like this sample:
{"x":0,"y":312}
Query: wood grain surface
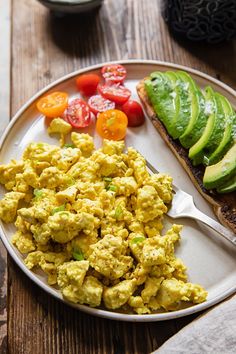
{"x":43,"y":48}
{"x":5,"y":8}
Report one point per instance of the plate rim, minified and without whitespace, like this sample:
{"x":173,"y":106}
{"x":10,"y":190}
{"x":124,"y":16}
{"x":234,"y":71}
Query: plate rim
{"x":94,"y":311}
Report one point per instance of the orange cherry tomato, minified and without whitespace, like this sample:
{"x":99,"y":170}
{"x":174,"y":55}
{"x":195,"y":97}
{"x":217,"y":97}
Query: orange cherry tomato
{"x":112,"y":124}
{"x":53,"y":105}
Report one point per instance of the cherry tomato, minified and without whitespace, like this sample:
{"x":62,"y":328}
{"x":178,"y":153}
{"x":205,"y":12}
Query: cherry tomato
{"x":87,"y":84}
{"x":100,"y":104}
{"x":116,"y":93}
{"x":134,"y":112}
{"x":53,"y":105}
{"x":78,"y":113}
{"x":114,"y":73}
{"x":112,"y":124}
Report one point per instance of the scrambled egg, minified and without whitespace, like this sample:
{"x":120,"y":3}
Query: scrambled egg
{"x":92,"y":221}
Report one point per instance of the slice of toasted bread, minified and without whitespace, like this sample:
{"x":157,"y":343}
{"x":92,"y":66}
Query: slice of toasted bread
{"x":224,"y":205}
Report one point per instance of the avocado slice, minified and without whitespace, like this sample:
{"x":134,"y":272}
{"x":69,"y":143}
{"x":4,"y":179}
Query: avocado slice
{"x":229,"y":186}
{"x":164,"y":99}
{"x":213,"y":133}
{"x":216,"y":175}
{"x":176,"y":95}
{"x":183,"y":110}
{"x":229,"y":132}
{"x":198,"y":119}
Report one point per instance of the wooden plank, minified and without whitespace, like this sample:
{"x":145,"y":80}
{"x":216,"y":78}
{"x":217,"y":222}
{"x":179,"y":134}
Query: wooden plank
{"x":5,"y":116}
{"x":3,"y":299}
{"x":43,"y":49}
{"x":4,"y":63}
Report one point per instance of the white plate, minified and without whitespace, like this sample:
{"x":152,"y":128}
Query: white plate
{"x":211,"y":261}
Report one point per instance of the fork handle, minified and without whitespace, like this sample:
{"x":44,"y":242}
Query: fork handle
{"x":216,"y":226}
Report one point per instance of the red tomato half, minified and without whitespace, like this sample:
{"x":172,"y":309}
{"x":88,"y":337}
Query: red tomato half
{"x":114,"y":73}
{"x":87,"y":84}
{"x":78,"y":113}
{"x":134,"y":112}
{"x":99,"y":104}
{"x":116,"y":93}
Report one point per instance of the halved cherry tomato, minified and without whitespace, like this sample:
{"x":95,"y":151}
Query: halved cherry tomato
{"x":87,"y":84}
{"x":53,"y":105}
{"x":112,"y":124}
{"x":114,"y":73}
{"x":78,"y":113}
{"x":98,"y":104}
{"x":116,"y":93}
{"x":134,"y":112}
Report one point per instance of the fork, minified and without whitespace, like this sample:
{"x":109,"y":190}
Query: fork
{"x":183,"y":206}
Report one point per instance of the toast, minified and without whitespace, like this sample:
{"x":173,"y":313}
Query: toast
{"x":224,"y":205}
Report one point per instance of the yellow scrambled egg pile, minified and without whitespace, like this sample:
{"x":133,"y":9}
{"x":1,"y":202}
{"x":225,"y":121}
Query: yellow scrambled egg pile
{"x":92,"y":221}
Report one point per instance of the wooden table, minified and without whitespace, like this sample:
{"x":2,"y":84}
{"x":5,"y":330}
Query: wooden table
{"x":42,"y":49}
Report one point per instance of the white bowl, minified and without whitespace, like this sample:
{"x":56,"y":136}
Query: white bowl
{"x":71,"y":6}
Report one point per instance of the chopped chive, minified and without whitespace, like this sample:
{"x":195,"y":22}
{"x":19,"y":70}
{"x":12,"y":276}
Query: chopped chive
{"x":78,"y":254}
{"x":107,"y":179}
{"x":38,"y":193}
{"x":112,"y":188}
{"x":138,"y":239}
{"x":57,"y":209}
{"x":69,"y":146}
{"x":118,"y":212}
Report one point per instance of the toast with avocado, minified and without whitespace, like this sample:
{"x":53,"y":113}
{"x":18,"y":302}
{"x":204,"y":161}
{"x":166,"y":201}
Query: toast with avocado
{"x":199,"y":126}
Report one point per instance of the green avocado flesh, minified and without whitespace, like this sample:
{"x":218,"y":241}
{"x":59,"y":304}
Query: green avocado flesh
{"x":216,"y":175}
{"x":229,"y":186}
{"x":161,"y":92}
{"x":177,"y":96}
{"x":203,"y":121}
{"x":198,"y":118}
{"x":201,"y":147}
{"x":184,"y":108}
{"x":229,"y":133}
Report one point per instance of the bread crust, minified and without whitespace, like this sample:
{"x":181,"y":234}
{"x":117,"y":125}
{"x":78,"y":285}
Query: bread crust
{"x":224,"y":205}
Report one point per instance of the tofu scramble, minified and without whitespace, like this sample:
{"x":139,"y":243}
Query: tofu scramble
{"x":92,"y":221}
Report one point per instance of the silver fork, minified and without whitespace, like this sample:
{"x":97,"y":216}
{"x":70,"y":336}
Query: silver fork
{"x":183,"y":206}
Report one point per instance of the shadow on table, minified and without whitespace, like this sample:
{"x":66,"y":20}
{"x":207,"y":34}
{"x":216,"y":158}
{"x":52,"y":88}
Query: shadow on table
{"x":36,"y":318}
{"x":220,"y":56}
{"x":76,"y":35}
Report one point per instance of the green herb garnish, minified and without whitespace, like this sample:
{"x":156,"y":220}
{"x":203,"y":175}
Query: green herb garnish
{"x":112,"y":188}
{"x":57,"y":209}
{"x":78,"y":254}
{"x":38,"y":193}
{"x":138,"y":239}
{"x":118,"y":212}
{"x":69,"y":146}
{"x":107,"y":179}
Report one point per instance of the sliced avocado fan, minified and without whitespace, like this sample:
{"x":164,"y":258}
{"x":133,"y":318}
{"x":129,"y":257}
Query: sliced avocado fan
{"x":213,"y":131}
{"x":197,"y":120}
{"x":229,"y":186}
{"x":183,"y":110}
{"x":176,"y":95}
{"x":216,"y":175}
{"x":229,"y":130}
{"x":162,"y":94}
